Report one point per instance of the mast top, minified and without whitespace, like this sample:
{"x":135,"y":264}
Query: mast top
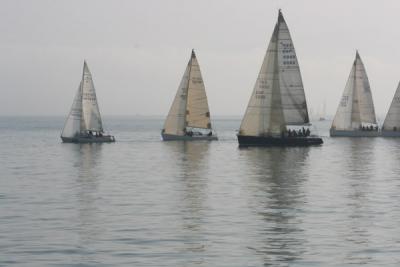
{"x":280,"y":16}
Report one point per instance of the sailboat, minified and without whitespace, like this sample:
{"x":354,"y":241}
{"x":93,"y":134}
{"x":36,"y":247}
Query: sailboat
{"x":391,"y":125}
{"x":278,"y":100}
{"x":355,"y":116}
{"x":83,"y":124}
{"x":323,"y":114}
{"x":189,"y":116}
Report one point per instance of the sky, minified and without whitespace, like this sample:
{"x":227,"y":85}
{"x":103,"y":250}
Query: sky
{"x":137,"y":51}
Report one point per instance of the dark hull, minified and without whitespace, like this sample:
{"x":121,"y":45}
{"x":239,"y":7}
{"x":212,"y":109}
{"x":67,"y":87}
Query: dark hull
{"x":245,"y":141}
{"x":390,"y":133}
{"x":172,"y":137}
{"x":88,"y":139}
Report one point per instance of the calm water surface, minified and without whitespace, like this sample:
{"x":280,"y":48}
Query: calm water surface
{"x":143,"y":202}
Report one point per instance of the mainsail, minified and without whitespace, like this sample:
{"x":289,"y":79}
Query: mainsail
{"x":392,"y":120}
{"x":90,"y":107}
{"x":190,"y":106}
{"x":278,"y":97}
{"x":84,"y":114}
{"x":356,"y":107}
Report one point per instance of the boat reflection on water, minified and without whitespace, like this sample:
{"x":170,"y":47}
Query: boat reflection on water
{"x":89,"y":222}
{"x":191,"y":160}
{"x":357,"y":231}
{"x":276,"y":182}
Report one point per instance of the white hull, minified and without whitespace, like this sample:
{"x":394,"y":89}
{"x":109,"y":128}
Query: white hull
{"x":354,"y":133}
{"x":172,"y":137}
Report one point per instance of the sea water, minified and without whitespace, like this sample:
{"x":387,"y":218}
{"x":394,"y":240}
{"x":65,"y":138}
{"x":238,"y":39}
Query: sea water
{"x":144,"y":202}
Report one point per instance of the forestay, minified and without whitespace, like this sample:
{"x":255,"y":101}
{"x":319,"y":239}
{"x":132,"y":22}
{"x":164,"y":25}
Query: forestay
{"x":392,"y":120}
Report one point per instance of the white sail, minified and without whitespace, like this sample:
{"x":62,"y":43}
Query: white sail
{"x":90,"y":107}
{"x":290,"y":83}
{"x":366,"y":104}
{"x":343,"y":117}
{"x":197,"y":114}
{"x":176,"y":119}
{"x":278,"y":97}
{"x":264,"y":114}
{"x":356,"y":106}
{"x":72,"y":125}
{"x":392,"y":120}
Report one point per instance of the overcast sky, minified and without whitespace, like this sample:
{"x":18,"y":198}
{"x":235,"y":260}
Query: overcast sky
{"x":137,"y":51}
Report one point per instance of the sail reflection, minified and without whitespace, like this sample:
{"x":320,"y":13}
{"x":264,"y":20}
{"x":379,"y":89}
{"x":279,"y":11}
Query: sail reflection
{"x":276,"y":180}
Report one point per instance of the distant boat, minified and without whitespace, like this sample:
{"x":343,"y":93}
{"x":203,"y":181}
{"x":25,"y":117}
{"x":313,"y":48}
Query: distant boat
{"x":355,"y":116}
{"x":391,"y":125}
{"x":83,"y":124}
{"x":322,"y":117}
{"x":189,"y":116}
{"x":278,"y":100}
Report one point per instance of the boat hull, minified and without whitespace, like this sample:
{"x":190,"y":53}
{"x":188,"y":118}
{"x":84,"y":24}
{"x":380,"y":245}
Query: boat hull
{"x":172,"y":137}
{"x":88,"y":139}
{"x":390,"y":134}
{"x":355,"y":133}
{"x":245,"y":141}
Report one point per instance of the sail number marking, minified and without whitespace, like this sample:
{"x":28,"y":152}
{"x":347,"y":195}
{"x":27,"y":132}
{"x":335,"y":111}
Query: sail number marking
{"x":344,"y":101}
{"x":89,"y":97}
{"x":197,"y":80}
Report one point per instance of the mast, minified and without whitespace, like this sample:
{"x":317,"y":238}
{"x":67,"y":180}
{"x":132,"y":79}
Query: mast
{"x":187,"y":88}
{"x":355,"y":103}
{"x":90,"y":106}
